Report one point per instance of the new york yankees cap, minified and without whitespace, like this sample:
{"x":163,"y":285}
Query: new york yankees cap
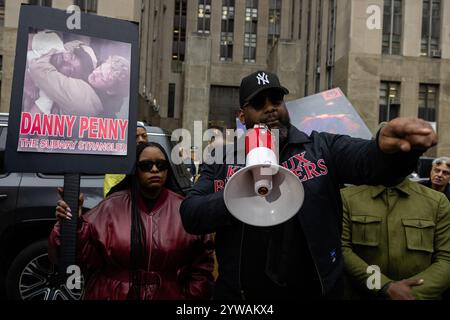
{"x":257,"y":82}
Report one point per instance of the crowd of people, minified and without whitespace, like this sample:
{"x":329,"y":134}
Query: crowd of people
{"x":147,"y":240}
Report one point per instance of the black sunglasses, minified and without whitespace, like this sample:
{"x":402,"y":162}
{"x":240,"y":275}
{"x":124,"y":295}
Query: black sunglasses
{"x":147,"y":165}
{"x":258,"y":102}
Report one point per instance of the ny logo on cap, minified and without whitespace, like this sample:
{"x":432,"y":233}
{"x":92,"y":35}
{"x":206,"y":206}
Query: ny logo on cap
{"x":263,"y":79}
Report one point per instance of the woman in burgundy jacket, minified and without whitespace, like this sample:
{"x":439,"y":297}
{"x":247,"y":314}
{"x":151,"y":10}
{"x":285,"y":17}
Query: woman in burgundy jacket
{"x":133,"y":243}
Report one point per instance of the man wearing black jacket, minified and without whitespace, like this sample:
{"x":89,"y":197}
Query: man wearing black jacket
{"x":302,"y":257}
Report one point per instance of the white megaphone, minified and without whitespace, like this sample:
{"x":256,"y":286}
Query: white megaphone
{"x":263,"y":193}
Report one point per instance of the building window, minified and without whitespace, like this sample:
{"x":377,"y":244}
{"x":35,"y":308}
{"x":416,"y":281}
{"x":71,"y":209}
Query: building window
{"x":224,"y":105}
{"x":179,"y":35}
{"x":227,"y":31}
{"x":293,"y":16}
{"x":2,"y":13}
{"x":42,"y":3}
{"x":87,"y":6}
{"x":3,"y":131}
{"x":318,"y":46}
{"x":392,"y":27}
{"x":389,"y":101}
{"x":300,"y":19}
{"x":428,"y":102}
{"x":204,"y":16}
{"x":331,"y":45}
{"x":251,"y":26}
{"x":1,"y":74}
{"x":274,"y":21}
{"x":431,"y":28}
{"x":296,"y":18}
{"x":308,"y":46}
{"x":171,"y":104}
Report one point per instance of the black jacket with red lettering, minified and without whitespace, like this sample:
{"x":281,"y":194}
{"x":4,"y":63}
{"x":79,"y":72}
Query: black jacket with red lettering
{"x":323,"y":162}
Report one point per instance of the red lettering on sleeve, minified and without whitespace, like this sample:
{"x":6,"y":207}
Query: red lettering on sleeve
{"x":301,"y":158}
{"x":310,"y":169}
{"x":321,"y":164}
{"x":231,"y":171}
{"x":218,"y":185}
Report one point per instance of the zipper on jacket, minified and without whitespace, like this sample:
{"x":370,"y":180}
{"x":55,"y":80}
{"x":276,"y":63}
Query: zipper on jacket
{"x":318,"y":273}
{"x":309,"y":247}
{"x":241,"y":291}
{"x":150,"y":243}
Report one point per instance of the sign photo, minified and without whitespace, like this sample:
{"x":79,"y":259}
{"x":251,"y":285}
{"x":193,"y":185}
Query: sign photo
{"x":73,"y":93}
{"x":76,"y":94}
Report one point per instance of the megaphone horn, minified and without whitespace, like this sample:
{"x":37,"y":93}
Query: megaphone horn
{"x":263,"y":193}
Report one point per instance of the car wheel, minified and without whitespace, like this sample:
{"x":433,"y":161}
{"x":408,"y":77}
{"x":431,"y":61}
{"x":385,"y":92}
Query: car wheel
{"x":32,"y":276}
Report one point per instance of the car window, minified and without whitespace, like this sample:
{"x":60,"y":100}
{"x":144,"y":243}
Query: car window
{"x":2,"y":149}
{"x":3,"y":131}
{"x":424,"y":166}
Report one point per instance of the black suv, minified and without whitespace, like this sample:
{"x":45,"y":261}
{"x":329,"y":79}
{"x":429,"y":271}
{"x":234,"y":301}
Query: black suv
{"x":27,"y":215}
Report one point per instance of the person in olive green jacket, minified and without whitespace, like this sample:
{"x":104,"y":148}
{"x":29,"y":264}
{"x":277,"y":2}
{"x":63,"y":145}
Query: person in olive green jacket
{"x":404,"y":233}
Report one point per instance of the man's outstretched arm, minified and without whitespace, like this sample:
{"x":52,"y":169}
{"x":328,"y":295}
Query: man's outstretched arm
{"x":385,"y":160}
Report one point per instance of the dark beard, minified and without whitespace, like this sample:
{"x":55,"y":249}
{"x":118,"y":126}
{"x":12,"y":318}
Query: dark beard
{"x":284,"y":129}
{"x":285,"y":126}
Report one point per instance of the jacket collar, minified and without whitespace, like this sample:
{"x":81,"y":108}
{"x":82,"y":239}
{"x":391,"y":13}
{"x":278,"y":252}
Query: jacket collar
{"x":403,"y":188}
{"x":158,"y":204}
{"x":297,"y":136}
